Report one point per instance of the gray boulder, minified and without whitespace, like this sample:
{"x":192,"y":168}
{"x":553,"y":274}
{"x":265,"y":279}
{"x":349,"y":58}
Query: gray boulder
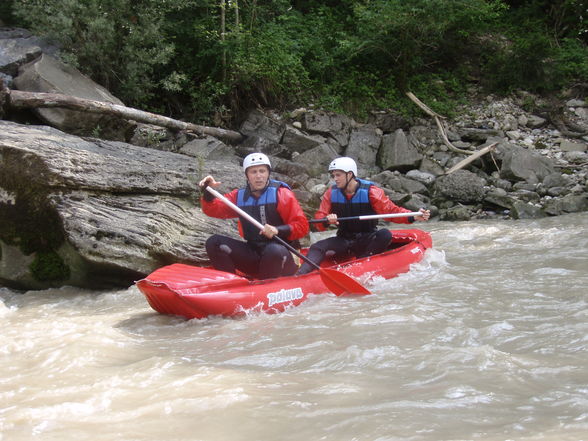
{"x":254,"y":143}
{"x":326,"y":124}
{"x":47,"y":74}
{"x":208,"y":147}
{"x":260,"y":125}
{"x":520,"y":164}
{"x":364,"y":143}
{"x":570,"y":203}
{"x":316,"y":161}
{"x":297,"y":141}
{"x":456,"y":213}
{"x":421,"y":176}
{"x":397,"y":153}
{"x":388,"y":122}
{"x":18,"y":47}
{"x":525,"y":210}
{"x":460,"y":186}
{"x":91,"y":213}
{"x":398,"y":182}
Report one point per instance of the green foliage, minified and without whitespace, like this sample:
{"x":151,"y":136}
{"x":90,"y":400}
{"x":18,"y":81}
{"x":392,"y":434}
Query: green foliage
{"x":348,"y":55}
{"x":571,"y":59}
{"x":117,"y":42}
{"x":6,"y":12}
{"x":266,"y":68}
{"x":421,"y":35}
{"x":531,"y":61}
{"x":48,"y":266}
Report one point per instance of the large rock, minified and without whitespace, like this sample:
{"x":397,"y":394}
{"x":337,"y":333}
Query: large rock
{"x":388,"y":122}
{"x":91,"y":213}
{"x":298,"y":141}
{"x":16,"y":48}
{"x":460,"y":186}
{"x":260,"y":125}
{"x":316,"y":161}
{"x":397,"y":153}
{"x":364,"y":143}
{"x":47,"y":74}
{"x":207,"y":147}
{"x":570,"y":203}
{"x":520,"y":164}
{"x":399,"y":183}
{"x":328,"y":124}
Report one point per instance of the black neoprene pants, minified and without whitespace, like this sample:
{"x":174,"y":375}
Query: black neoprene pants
{"x":264,"y":261}
{"x":363,"y":245}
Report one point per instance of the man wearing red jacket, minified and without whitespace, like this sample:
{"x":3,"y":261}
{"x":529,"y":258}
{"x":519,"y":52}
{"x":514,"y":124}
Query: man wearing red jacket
{"x":351,"y":197}
{"x":273,"y":204}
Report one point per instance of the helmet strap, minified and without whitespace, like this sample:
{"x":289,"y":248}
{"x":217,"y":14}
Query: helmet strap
{"x":348,"y":181}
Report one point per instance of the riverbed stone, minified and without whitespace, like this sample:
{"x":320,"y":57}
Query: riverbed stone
{"x":259,"y":124}
{"x":570,"y":203}
{"x":397,"y":153}
{"x":519,"y":164}
{"x":573,"y":146}
{"x":462,"y":186}
{"x":364,"y":143}
{"x":525,"y":210}
{"x":328,"y":124}
{"x":297,"y":141}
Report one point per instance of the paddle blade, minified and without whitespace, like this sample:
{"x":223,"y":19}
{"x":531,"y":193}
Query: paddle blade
{"x":340,"y":283}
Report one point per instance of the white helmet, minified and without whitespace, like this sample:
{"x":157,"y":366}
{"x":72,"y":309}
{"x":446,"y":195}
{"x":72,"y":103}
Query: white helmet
{"x":344,"y":163}
{"x":256,"y":159}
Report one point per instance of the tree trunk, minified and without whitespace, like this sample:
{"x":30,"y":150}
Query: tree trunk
{"x":18,"y":99}
{"x":223,"y":31}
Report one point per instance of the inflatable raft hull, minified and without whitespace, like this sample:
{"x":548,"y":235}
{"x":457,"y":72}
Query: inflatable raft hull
{"x":197,"y":292}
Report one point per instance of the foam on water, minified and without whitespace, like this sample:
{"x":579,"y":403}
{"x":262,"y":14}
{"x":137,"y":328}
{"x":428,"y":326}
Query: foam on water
{"x":485,"y":338}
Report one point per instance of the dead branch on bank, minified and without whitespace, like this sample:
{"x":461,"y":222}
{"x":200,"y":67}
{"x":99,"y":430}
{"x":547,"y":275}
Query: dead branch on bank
{"x":443,"y":131}
{"x":18,"y":99}
{"x":440,"y":125}
{"x":472,"y":158}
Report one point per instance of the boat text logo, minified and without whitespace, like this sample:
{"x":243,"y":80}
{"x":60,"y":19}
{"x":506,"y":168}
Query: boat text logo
{"x":284,"y":295}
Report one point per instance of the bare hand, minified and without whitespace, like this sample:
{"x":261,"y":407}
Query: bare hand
{"x":332,"y":219}
{"x":425,"y":214}
{"x":208,"y":180}
{"x":269,"y":231}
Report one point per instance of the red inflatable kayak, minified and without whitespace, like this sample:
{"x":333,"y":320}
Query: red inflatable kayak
{"x":196,"y":292}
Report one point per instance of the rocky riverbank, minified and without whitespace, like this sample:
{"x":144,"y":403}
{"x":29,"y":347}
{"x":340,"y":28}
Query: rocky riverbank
{"x":90,"y":201}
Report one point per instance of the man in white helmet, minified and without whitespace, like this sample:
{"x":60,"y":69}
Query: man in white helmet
{"x":273,"y":204}
{"x":351,"y":196}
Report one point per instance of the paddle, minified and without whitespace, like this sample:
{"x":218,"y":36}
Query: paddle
{"x":335,"y":281}
{"x":369,"y":216}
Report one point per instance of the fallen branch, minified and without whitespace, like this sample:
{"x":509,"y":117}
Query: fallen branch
{"x":18,"y":99}
{"x":441,"y":127}
{"x":472,"y":158}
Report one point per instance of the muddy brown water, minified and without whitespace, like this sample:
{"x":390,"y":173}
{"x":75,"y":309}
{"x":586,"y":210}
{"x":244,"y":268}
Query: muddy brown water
{"x":485,"y":339}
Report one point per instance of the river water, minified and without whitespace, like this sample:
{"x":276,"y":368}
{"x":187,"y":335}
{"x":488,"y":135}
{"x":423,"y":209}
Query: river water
{"x":485,"y":339}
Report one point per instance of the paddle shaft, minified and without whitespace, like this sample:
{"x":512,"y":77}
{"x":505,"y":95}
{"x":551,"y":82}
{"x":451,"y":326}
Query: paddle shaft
{"x":259,"y":225}
{"x":370,"y":216}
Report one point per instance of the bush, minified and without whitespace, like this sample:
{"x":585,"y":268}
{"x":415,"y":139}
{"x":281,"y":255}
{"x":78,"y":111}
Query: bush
{"x":116,"y":42}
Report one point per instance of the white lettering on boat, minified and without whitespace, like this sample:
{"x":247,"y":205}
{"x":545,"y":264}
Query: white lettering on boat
{"x":415,"y":250}
{"x":284,"y":295}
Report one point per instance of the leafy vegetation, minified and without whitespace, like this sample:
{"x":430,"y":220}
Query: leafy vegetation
{"x":209,"y":60}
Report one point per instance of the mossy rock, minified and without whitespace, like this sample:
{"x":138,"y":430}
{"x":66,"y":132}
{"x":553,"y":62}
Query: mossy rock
{"x":48,"y":266}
